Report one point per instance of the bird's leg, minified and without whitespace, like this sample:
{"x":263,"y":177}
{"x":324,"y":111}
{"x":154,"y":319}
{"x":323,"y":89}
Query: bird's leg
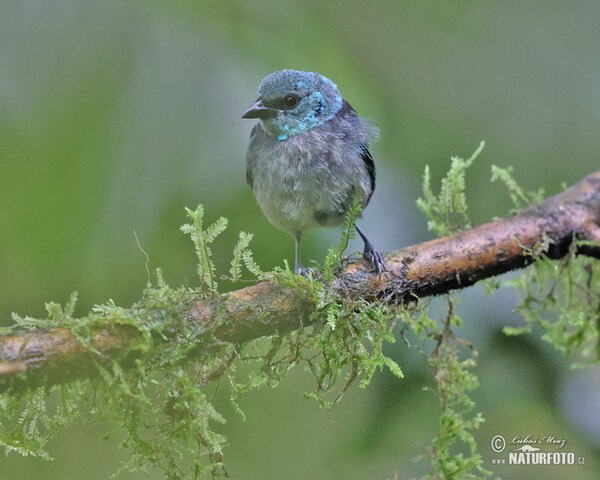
{"x":298,"y":263}
{"x":300,"y":269}
{"x":370,"y":254}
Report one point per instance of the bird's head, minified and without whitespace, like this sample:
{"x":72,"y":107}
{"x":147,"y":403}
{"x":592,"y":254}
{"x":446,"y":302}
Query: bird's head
{"x":291,"y":102}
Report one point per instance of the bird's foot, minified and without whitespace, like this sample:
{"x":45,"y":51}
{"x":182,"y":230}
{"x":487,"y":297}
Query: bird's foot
{"x":307,"y":272}
{"x":374,"y":258}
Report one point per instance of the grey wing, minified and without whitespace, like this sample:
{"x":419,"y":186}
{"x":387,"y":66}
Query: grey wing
{"x":370,"y":164}
{"x":348,"y":111}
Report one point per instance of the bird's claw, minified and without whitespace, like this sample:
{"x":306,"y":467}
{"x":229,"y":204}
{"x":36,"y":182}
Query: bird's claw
{"x":304,"y":271}
{"x":374,"y":258}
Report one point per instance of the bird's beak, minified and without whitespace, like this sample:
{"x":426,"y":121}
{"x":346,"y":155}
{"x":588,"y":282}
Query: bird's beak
{"x":258,"y":110}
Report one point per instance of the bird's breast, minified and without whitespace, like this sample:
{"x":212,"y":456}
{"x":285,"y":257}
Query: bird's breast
{"x":305,"y":181}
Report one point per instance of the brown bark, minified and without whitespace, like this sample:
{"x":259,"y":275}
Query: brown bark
{"x":46,"y":357}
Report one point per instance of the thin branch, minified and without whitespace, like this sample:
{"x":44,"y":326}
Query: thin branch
{"x":43,"y":358}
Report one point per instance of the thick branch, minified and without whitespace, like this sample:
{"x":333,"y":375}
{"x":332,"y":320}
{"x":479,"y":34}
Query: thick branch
{"x":430,"y":268}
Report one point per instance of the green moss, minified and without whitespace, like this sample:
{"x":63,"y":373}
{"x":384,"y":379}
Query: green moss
{"x":563,"y":296}
{"x":159,"y":404}
{"x":158,"y":393}
{"x":519,"y":196}
{"x":447,"y":211}
{"x":453,"y":453}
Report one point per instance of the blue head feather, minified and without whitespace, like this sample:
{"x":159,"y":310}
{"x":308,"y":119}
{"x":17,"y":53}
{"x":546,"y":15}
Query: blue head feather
{"x":318,"y":100}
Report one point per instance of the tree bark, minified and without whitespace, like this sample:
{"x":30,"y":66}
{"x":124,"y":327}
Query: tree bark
{"x":43,"y":358}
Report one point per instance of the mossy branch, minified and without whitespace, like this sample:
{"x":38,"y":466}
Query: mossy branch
{"x":48,"y":356}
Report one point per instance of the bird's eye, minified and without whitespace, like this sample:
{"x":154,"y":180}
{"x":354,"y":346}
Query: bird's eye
{"x":290,"y":101}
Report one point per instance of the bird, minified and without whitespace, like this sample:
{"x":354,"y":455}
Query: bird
{"x":308,"y":157}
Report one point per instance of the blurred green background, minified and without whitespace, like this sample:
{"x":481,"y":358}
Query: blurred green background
{"x":115,"y":115}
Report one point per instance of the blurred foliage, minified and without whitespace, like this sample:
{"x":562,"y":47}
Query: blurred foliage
{"x":116,"y":114}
